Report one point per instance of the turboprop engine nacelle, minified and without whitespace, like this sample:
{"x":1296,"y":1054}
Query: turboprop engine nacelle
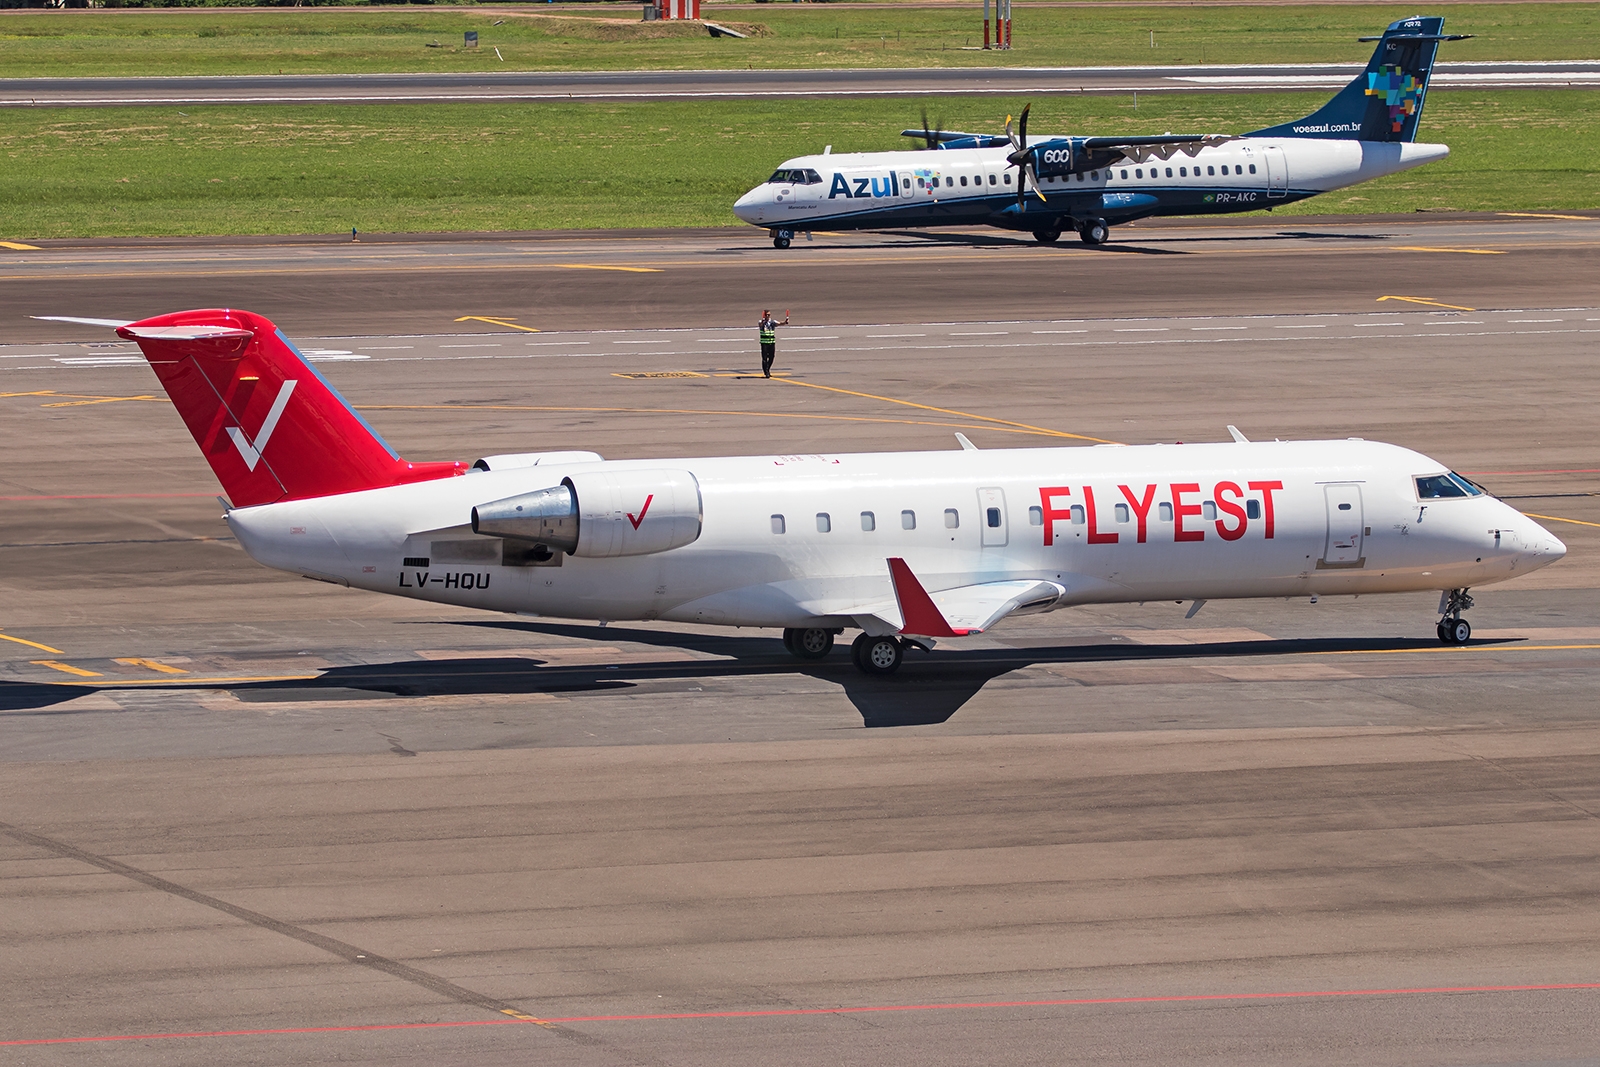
{"x":601,"y":513}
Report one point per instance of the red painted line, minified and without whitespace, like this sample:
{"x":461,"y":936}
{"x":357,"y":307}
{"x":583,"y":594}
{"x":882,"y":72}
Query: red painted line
{"x":110,"y":496}
{"x":790,"y":1012}
{"x":1563,"y":470}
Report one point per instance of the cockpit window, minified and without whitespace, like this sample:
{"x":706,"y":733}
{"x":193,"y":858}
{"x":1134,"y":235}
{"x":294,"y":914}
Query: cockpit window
{"x":1444,"y":486}
{"x":795,"y":176}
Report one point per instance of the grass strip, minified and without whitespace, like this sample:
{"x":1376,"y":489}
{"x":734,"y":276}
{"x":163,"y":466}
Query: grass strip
{"x":366,"y":40}
{"x":454,"y":167}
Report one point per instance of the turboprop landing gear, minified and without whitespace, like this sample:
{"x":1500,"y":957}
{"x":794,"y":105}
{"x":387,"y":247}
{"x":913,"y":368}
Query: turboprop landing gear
{"x":877,"y":655}
{"x":808,"y":642}
{"x":1095,"y":232}
{"x":781,"y":238}
{"x":1453,"y":629}
{"x":1048,"y":236}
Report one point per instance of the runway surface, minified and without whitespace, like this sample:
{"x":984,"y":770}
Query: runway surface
{"x":247,"y":818}
{"x":719,"y":84}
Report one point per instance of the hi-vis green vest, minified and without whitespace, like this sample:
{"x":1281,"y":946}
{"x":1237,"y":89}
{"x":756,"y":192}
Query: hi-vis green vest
{"x":769,"y":332}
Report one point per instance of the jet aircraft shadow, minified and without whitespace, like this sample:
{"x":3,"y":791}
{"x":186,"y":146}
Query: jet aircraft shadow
{"x":929,"y":688}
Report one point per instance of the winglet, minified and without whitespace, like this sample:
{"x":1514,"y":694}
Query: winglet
{"x":918,"y":613}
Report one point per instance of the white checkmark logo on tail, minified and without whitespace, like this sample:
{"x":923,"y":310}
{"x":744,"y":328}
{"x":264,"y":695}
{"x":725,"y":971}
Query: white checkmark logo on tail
{"x":250,"y":451}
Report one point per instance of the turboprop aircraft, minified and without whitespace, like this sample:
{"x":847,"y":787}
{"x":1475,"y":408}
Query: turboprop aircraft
{"x":1090,"y":184}
{"x":907,"y":547}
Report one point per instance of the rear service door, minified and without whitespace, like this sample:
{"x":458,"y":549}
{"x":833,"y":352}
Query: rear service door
{"x":1345,"y":527}
{"x":992,"y":517}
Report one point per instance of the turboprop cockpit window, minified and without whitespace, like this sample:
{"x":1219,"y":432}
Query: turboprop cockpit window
{"x":1445,"y":486}
{"x":795,"y":176}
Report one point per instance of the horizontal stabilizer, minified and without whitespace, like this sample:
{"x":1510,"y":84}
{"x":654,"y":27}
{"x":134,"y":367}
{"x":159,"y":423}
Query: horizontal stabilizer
{"x":183,"y":333}
{"x":112,"y":323}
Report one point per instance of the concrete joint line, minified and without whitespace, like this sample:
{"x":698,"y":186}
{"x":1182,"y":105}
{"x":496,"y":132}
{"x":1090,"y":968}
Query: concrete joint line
{"x":347,"y":952}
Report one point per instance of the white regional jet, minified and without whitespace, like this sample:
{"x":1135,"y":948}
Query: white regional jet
{"x":1090,"y":184}
{"x":906,"y":547}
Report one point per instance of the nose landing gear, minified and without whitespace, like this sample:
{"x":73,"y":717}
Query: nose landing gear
{"x":781,"y":238}
{"x":1453,"y":629}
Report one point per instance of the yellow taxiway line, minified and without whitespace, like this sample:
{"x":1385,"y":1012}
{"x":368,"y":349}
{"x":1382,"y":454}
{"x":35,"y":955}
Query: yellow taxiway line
{"x":508,"y":323}
{"x":1425,"y":300}
{"x":66,"y":668}
{"x":32,"y":644}
{"x":1022,"y":426}
{"x":1558,"y":518}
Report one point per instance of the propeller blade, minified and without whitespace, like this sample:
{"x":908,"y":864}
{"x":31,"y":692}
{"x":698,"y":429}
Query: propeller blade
{"x":1011,"y":136}
{"x":1022,"y":122}
{"x":927,"y":136}
{"x":1033,"y":180}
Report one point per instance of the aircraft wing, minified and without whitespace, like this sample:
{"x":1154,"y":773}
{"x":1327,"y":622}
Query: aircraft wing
{"x":1164,"y":146}
{"x":959,"y":612}
{"x":940,"y":136}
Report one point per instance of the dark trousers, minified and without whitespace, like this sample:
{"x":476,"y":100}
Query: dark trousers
{"x":767,"y":352}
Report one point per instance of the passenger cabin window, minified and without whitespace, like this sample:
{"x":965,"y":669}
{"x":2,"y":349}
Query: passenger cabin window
{"x":952,"y":518}
{"x":1122,"y":512}
{"x":1444,"y":486}
{"x":1138,"y":172}
{"x":1169,"y":172}
{"x":949,"y":183}
{"x":908,"y":520}
{"x":905,"y":183}
{"x":1252,"y":509}
{"x":1077,"y":514}
{"x":777,"y":524}
{"x":1183,"y":172}
{"x":1212,"y":171}
{"x":824,"y":522}
{"x":1252,"y":168}
{"x":963,"y":179}
{"x":1164,"y":510}
{"x":1008,"y":177}
{"x":1036,"y":516}
{"x":992,"y":517}
{"x":991,"y":179}
{"x":869,"y":521}
{"x":1124,"y":174}
{"x":1208,"y":511}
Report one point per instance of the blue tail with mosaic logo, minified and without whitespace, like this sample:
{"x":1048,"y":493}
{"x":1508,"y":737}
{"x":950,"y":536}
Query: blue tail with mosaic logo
{"x":1384,"y":103}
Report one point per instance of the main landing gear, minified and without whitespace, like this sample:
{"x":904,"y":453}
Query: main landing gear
{"x":877,"y":655}
{"x":1095,"y":232}
{"x":808,"y":642}
{"x":1453,"y":629}
{"x":871,"y":655}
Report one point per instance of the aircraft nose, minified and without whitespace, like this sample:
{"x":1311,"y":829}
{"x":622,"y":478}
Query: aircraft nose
{"x":751,"y":207}
{"x":1544,"y":547}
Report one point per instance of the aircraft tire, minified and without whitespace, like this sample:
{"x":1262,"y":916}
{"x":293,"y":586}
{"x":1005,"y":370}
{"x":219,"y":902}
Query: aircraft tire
{"x":1095,"y":232}
{"x":877,"y":655}
{"x":1455,"y":631}
{"x":788,"y":641}
{"x":810,"y":642}
{"x":1047,"y":237}
{"x":780,"y":242}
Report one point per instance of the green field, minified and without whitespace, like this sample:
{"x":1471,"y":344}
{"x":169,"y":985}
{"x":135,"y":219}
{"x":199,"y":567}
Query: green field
{"x":331,"y":40}
{"x":324,"y":169}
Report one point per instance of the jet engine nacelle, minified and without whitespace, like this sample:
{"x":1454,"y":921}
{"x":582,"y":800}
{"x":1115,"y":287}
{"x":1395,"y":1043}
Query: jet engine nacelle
{"x":601,"y":513}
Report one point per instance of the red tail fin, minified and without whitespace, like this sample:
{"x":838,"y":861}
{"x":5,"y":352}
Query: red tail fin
{"x":270,"y":426}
